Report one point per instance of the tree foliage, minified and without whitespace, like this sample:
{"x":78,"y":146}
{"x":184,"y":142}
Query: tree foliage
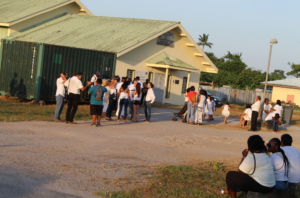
{"x":295,"y":70}
{"x":203,"y":40}
{"x":235,"y":73}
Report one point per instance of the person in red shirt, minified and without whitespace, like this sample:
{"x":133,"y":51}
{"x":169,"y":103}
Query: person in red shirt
{"x":190,"y":117}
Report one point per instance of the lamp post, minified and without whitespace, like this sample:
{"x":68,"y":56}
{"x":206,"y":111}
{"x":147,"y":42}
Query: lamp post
{"x":273,"y":41}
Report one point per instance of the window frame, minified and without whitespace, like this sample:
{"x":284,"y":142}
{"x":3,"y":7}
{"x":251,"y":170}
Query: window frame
{"x":184,"y":83}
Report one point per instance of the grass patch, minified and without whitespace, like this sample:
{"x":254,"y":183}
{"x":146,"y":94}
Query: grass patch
{"x":179,"y":181}
{"x":15,"y":110}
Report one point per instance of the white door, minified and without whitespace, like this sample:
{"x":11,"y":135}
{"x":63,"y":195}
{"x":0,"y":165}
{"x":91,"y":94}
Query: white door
{"x":159,"y":82}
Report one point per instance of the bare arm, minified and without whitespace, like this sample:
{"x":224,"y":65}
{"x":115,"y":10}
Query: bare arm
{"x":86,"y":86}
{"x":64,"y":78}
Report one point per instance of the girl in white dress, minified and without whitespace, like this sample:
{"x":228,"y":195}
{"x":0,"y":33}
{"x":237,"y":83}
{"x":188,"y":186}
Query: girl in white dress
{"x":208,"y":108}
{"x":267,"y":108}
{"x":199,"y":108}
{"x":106,"y":84}
{"x":278,"y":108}
{"x":225,"y":112}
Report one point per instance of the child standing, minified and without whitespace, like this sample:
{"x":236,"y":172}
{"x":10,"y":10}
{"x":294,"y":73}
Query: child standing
{"x":225,"y":112}
{"x":208,"y":108}
{"x":96,"y":105}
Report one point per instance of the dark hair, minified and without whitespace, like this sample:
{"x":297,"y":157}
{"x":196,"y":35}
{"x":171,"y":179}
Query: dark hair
{"x":278,"y":102}
{"x":277,"y":116}
{"x":138,"y":89}
{"x":209,"y":97}
{"x":79,"y":74}
{"x":248,"y":106}
{"x":266,"y":99}
{"x":151,"y":84}
{"x":99,"y":81}
{"x":259,"y":97}
{"x":286,"y":162}
{"x":202,"y":92}
{"x":256,"y":143}
{"x":192,"y":88}
{"x":286,"y":139}
{"x":124,"y":86}
{"x":138,"y":78}
{"x":188,"y":90}
{"x":227,"y":103}
{"x":205,"y":93}
{"x":74,"y":74}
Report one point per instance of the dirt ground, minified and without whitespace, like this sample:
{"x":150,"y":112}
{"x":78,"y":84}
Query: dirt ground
{"x":47,"y":159}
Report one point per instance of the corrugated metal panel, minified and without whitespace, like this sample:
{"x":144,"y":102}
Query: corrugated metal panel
{"x":63,"y":59}
{"x":235,"y":95}
{"x":294,"y":82}
{"x":12,"y":10}
{"x":18,"y":68}
{"x":107,"y":34}
{"x":165,"y":59}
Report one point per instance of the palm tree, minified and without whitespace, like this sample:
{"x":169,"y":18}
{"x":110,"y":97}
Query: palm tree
{"x":203,"y":41}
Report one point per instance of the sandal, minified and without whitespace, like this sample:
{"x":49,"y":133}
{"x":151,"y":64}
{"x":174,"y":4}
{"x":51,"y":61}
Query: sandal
{"x":222,"y":192}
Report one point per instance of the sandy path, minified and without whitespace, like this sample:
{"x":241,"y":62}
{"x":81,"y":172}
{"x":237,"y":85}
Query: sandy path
{"x":42,"y":159}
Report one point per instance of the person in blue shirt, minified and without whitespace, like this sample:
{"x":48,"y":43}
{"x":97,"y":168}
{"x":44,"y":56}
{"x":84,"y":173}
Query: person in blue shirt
{"x":96,"y":106}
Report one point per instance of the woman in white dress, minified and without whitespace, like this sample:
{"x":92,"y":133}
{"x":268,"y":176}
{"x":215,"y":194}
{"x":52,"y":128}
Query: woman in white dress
{"x":106,"y":84}
{"x":208,"y":108}
{"x":267,"y":108}
{"x":199,"y":108}
{"x":225,"y":112}
{"x":278,"y":108}
{"x":246,"y":116}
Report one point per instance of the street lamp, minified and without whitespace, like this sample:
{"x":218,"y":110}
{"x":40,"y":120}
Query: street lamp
{"x":273,"y":41}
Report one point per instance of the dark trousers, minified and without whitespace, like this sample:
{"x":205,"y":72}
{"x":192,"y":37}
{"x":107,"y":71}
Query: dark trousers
{"x":236,"y":180}
{"x":274,"y":123}
{"x":123,"y":102}
{"x":147,"y":110}
{"x":254,"y":120}
{"x":72,"y":106}
{"x":183,"y":110}
{"x":111,"y":106}
{"x":143,"y":97}
{"x":130,"y":110}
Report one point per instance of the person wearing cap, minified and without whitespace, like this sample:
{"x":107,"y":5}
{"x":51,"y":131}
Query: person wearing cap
{"x":95,"y":77}
{"x":74,"y":85}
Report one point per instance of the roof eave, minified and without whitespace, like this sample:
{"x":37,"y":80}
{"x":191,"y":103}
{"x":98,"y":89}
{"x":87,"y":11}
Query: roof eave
{"x":48,"y":10}
{"x":4,"y":24}
{"x":283,"y":86}
{"x":81,"y":5}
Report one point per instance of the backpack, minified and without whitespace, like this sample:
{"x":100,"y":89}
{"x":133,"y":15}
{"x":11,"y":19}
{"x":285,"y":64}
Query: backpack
{"x":193,"y":99}
{"x":98,"y":94}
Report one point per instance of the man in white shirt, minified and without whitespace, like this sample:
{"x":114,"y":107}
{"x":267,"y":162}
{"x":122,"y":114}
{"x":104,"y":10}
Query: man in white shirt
{"x":293,"y":156}
{"x":138,"y":79}
{"x":131,"y":88}
{"x":60,"y":96}
{"x":150,"y":98}
{"x":273,"y":118}
{"x":255,"y":109}
{"x":74,"y":85}
{"x":118,"y":87}
{"x":95,"y":77}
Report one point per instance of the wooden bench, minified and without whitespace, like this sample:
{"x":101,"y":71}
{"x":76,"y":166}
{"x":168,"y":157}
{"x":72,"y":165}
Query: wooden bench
{"x":288,"y":193}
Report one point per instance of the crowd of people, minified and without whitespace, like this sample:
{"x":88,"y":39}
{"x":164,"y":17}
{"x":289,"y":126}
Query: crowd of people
{"x":264,"y":168}
{"x":198,"y":106}
{"x":123,"y":95}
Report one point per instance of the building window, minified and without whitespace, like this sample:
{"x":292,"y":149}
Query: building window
{"x":168,"y":87}
{"x":57,"y":58}
{"x":131,"y":74}
{"x":150,"y":77}
{"x":184,"y":83}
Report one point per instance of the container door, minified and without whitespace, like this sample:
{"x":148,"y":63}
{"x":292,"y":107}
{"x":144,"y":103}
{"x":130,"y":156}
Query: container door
{"x":18,"y":69}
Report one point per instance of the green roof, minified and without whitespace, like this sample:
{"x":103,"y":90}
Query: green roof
{"x":165,"y":59}
{"x":107,"y":34}
{"x":12,"y":10}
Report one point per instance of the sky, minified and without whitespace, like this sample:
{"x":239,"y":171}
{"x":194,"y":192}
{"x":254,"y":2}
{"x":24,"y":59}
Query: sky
{"x":237,"y":26}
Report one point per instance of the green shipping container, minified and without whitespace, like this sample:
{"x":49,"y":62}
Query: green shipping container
{"x":29,"y":70}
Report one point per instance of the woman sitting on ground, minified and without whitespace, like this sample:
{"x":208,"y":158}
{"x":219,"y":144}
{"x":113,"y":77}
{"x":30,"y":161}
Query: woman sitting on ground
{"x":246,"y":116}
{"x":280,"y":162}
{"x":267,"y":109}
{"x":255,"y":171}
